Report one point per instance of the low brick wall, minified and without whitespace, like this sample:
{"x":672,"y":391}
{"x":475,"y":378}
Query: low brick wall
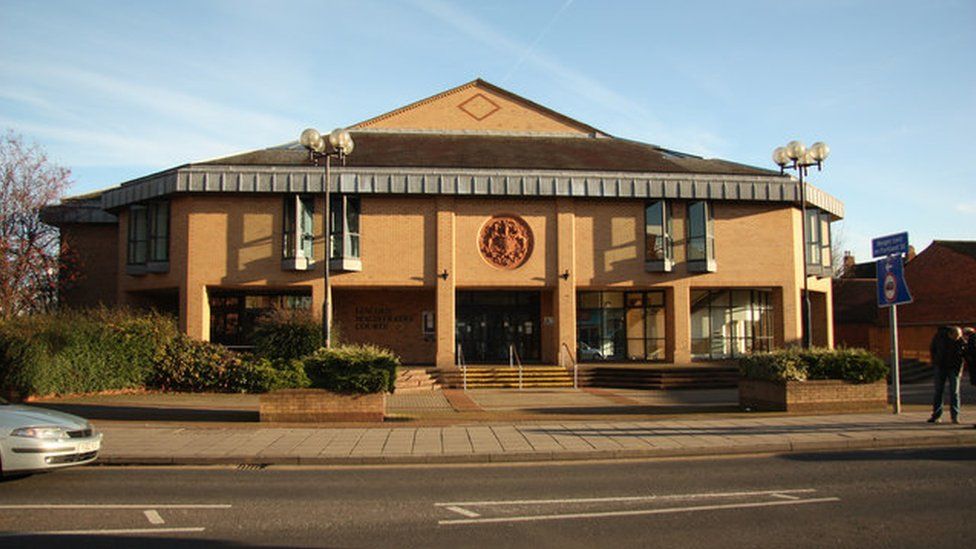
{"x":318,"y":405}
{"x":813,"y":396}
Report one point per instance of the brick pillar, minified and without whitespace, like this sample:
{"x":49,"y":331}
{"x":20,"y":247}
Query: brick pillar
{"x":565,"y":294}
{"x":195,"y":311}
{"x":445,"y":294}
{"x":678,"y":301}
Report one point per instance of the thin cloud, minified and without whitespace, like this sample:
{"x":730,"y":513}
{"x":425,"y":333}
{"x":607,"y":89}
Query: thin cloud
{"x":642,"y":122}
{"x":966,"y":207}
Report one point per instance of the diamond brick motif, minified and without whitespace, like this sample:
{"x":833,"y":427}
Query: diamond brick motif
{"x":479,"y":107}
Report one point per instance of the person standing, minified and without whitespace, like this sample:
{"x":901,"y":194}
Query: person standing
{"x":947,"y":352}
{"x":969,"y":334}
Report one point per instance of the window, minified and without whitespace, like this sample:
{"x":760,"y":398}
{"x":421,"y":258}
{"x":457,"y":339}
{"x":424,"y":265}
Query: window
{"x":730,"y":323}
{"x":345,"y":226}
{"x":138,"y":235}
{"x":701,"y":237}
{"x":148,"y":238}
{"x":621,"y":326}
{"x":818,"y":243}
{"x":297,"y":232}
{"x":234,"y":315}
{"x":159,"y":232}
{"x":344,"y":238}
{"x":658,"y":243}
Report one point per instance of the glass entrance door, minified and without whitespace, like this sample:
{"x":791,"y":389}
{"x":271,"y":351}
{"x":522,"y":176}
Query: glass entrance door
{"x":489,"y":321}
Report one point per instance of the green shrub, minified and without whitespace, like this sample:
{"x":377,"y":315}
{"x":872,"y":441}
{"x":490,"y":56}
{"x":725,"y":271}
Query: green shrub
{"x":286,"y":334}
{"x":80,"y":351}
{"x":254,"y":374}
{"x":854,"y":365}
{"x":354,"y":369}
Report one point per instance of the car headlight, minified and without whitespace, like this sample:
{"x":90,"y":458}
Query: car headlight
{"x":52,"y":433}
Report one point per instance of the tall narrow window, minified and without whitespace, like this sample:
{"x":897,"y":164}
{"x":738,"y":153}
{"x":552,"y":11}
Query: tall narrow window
{"x":297,"y":232}
{"x":658,"y":243}
{"x":818,"y":243}
{"x":701,"y":237}
{"x":825,"y":254}
{"x":138,"y":235}
{"x":148,"y":238}
{"x":344,"y":243}
{"x":159,"y":232}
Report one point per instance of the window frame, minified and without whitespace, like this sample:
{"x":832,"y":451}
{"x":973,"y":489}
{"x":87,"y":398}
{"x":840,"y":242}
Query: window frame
{"x":664,"y":262}
{"x":298,"y":232}
{"x":706,"y":236}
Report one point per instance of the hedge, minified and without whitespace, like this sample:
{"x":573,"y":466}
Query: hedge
{"x":793,"y":364}
{"x":115,"y":349}
{"x":80,"y":352}
{"x":353,"y":369}
{"x":285,"y":334}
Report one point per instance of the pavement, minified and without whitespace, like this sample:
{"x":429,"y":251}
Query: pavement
{"x":484,"y":426}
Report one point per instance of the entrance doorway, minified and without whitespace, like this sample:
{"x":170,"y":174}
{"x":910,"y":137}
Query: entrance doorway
{"x":488,"y":322}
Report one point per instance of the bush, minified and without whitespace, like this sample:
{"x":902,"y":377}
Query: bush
{"x":80,"y":351}
{"x":286,"y":334}
{"x":854,"y":365}
{"x":353,"y":369}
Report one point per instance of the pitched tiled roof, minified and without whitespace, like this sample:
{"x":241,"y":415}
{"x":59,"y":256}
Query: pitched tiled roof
{"x":492,"y":151}
{"x":965,"y":247}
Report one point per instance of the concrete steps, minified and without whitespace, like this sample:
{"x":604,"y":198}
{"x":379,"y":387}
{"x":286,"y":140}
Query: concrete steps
{"x":415,"y":380}
{"x":678,"y":377}
{"x":913,"y":371}
{"x":499,"y":377}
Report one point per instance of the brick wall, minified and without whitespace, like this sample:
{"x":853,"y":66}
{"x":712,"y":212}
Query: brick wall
{"x":389,"y":318}
{"x":813,"y":396}
{"x":316,"y":405}
{"x":96,"y":249}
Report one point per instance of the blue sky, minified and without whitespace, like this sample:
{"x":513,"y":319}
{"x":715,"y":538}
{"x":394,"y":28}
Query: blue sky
{"x":115,"y":90}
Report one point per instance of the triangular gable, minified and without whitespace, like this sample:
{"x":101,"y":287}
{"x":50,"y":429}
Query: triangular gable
{"x":478,"y":106}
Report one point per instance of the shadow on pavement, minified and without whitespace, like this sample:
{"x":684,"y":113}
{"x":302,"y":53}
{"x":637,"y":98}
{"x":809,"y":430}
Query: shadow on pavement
{"x":149,"y":413}
{"x":743,"y":430}
{"x":963,"y":453}
{"x":630,"y":410}
{"x":115,"y":541}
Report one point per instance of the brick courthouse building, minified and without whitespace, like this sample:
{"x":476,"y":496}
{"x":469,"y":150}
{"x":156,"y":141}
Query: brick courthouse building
{"x":474,"y":219}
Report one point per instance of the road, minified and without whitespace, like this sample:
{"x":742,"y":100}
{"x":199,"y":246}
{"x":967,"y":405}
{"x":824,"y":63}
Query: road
{"x":903,"y":498}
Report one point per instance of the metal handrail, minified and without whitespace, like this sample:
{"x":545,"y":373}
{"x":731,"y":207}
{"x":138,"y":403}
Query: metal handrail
{"x":514,"y":358}
{"x":463,"y":366}
{"x":569,"y":354}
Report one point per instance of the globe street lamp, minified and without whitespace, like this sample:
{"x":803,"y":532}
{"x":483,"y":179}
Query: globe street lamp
{"x":321,"y":150}
{"x":796,"y":156}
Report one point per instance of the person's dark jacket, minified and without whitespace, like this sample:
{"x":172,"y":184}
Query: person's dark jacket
{"x":971,"y":357}
{"x":947,"y":353}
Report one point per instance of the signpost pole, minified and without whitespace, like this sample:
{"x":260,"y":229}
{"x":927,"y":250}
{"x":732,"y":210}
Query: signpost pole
{"x":895,"y":373}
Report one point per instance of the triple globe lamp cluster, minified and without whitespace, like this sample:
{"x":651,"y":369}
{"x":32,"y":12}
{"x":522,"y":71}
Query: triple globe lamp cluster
{"x":339,"y":139}
{"x":796,"y":155}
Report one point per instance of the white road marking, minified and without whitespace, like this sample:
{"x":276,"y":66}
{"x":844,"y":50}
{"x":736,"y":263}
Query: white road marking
{"x":462,"y":511}
{"x":784,"y":496}
{"x":636,"y":512}
{"x":153,"y":517}
{"x":115,"y":506}
{"x":104,"y":532}
{"x":626,"y":498}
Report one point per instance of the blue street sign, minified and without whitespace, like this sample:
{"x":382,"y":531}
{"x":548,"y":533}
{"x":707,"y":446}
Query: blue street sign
{"x":892,"y":289}
{"x":891,"y":244}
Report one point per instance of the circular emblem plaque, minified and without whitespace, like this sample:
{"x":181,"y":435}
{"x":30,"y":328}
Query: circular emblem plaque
{"x":505,"y":241}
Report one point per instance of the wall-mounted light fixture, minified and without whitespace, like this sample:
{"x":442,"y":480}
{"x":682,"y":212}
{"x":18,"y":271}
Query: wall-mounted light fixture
{"x":565,"y":275}
{"x":443,"y":275}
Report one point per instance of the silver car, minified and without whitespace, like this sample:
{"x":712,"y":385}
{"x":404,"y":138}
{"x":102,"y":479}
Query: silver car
{"x":37,"y":439}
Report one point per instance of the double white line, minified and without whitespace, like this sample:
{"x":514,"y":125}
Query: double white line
{"x":784,"y":497}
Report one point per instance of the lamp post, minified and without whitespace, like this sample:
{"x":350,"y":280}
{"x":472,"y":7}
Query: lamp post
{"x":796,"y":156}
{"x":320,"y":151}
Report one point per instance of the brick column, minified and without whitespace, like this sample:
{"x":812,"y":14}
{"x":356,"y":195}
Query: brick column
{"x":679,"y":306}
{"x":445,"y":294}
{"x":195,"y":311}
{"x":565,"y":295}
